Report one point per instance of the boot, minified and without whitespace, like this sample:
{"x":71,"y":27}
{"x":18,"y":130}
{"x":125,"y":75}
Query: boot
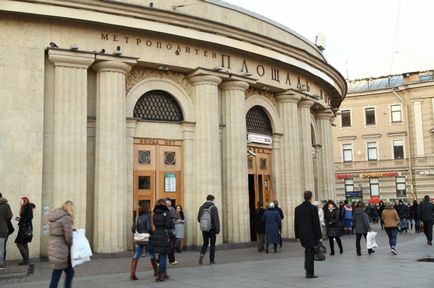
{"x":164,"y":275}
{"x":154,"y":266}
{"x":159,"y":278}
{"x":332,"y":248}
{"x":133,"y":269}
{"x":341,"y":250}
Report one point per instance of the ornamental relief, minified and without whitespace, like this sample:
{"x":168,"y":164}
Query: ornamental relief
{"x":138,"y":74}
{"x":254,"y":91}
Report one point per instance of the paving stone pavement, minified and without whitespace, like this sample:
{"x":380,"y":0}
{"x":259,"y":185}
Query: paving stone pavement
{"x":247,"y":268}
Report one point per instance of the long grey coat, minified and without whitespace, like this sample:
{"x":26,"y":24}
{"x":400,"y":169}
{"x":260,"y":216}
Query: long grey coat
{"x":60,"y":239}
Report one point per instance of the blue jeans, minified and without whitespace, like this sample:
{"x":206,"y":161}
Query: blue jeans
{"x":139,"y":249}
{"x":392,"y":233}
{"x":162,"y":263}
{"x":55,"y":277}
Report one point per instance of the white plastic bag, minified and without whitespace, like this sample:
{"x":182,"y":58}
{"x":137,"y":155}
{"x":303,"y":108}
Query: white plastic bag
{"x":80,"y":250}
{"x":370,"y":240}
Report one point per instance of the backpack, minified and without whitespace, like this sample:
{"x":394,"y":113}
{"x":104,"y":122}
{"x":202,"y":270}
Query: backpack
{"x":205,"y":219}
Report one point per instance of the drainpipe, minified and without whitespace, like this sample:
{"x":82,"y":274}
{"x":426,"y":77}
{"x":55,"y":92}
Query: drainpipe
{"x":410,"y":165}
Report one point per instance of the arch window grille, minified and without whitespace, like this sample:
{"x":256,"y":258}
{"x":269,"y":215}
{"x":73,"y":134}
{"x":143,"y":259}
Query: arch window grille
{"x":158,"y":105}
{"x":257,"y":121}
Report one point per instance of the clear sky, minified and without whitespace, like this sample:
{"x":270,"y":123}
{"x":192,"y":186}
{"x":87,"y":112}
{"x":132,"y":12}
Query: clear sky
{"x":363,"y":38}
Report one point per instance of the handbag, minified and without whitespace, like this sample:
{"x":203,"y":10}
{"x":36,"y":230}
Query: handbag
{"x":141,"y":238}
{"x":320,"y":252}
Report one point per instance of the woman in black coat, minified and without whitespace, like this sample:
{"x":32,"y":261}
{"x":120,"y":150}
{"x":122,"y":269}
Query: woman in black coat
{"x":334,"y":226}
{"x":160,"y":239}
{"x":273,"y":223}
{"x":25,"y":229}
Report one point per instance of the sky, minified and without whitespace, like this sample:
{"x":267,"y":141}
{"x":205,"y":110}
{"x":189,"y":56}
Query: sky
{"x":363,"y":38}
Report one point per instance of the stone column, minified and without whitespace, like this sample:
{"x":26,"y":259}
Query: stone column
{"x":190,"y":207}
{"x":291,"y":181}
{"x":206,"y":146}
{"x":236,"y":194}
{"x":130,"y":130}
{"x":70,"y":130}
{"x":326,"y":157}
{"x":277,"y":174}
{"x":110,"y":157}
{"x":306,"y":144}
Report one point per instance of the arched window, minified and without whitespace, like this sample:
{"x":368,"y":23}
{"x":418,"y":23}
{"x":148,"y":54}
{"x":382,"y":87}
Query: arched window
{"x":257,"y":121}
{"x":158,"y":105}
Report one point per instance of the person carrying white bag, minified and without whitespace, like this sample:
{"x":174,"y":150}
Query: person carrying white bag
{"x":80,"y":250}
{"x":61,"y":221}
{"x":370,"y":240}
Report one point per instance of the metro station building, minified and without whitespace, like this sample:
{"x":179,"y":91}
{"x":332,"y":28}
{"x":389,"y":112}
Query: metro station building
{"x":112,"y":103}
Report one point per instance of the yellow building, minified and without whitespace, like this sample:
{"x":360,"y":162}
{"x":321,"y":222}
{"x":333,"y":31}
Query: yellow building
{"x":113,"y":103}
{"x":383,"y":138}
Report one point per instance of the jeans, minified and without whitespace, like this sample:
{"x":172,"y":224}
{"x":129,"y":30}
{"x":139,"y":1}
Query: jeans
{"x":358,"y":238}
{"x":392,"y":233}
{"x":162,"y":263}
{"x":2,"y":251}
{"x":138,"y":251}
{"x":309,"y":260}
{"x":207,"y":237}
{"x":427,"y":225}
{"x":55,"y":277}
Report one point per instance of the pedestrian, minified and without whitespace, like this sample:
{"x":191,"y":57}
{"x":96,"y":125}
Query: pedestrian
{"x":142,"y":224}
{"x":307,"y":229}
{"x":361,"y":226}
{"x":321,"y":217}
{"x":415,"y":215}
{"x":390,"y":219}
{"x":259,"y":226}
{"x":403,"y":216}
{"x":61,"y":221}
{"x":334,"y":226}
{"x":276,"y":205}
{"x":273,"y":223}
{"x":179,"y":226}
{"x":172,"y":233}
{"x":160,"y":241}
{"x":347,"y":215}
{"x":380,"y":211}
{"x":426,"y":211}
{"x":208,"y":218}
{"x":5,"y":219}
{"x":25,"y":229}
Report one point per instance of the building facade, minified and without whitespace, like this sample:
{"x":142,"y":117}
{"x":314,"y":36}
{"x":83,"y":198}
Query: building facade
{"x":384,"y":141}
{"x":114,"y":103}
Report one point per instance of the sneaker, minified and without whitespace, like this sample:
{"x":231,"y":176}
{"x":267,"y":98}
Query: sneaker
{"x":174,"y":262}
{"x":211,"y":263}
{"x":2,"y":267}
{"x":394,"y":251}
{"x":201,"y":259}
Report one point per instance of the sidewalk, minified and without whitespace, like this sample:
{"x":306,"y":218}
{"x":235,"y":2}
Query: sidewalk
{"x":247,"y":268}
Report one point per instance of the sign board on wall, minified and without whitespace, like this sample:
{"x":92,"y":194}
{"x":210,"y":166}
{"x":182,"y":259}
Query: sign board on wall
{"x":170,"y":182}
{"x":369,"y":175}
{"x":427,"y":172}
{"x":260,"y":139}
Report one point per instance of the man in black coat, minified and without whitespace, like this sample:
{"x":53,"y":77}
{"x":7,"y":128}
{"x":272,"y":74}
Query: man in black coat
{"x":426,"y":210}
{"x":308,"y":231}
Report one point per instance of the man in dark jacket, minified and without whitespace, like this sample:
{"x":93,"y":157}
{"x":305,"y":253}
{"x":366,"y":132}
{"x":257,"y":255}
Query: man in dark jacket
{"x":426,"y":210}
{"x":308,"y":230}
{"x":5,"y":218}
{"x":276,"y":205}
{"x":259,"y":226}
{"x":210,"y":235}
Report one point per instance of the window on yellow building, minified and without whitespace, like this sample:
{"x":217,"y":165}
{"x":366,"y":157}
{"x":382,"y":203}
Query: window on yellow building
{"x":372,"y":151}
{"x":347,"y":150}
{"x":345,"y":118}
{"x":400,"y":186}
{"x":395,"y":112}
{"x":374,"y":186}
{"x":398,"y":149}
{"x":370,"y":116}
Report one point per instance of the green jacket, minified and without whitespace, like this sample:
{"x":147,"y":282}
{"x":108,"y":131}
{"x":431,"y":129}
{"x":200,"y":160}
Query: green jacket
{"x":5,"y":217}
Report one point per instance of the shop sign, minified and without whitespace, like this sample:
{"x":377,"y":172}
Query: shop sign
{"x":427,"y":172}
{"x":379,"y":175}
{"x":170,"y":182}
{"x":346,"y":176}
{"x":261,"y":139}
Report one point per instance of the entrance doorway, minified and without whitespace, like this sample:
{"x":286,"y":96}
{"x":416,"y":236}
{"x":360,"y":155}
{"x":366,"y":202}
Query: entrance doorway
{"x":157,"y":172}
{"x":259,"y":180}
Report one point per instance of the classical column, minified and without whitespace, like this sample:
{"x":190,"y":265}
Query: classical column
{"x":326,"y":158}
{"x":70,"y":130}
{"x":291,"y":180}
{"x":206,"y":145}
{"x":236,"y":194}
{"x":306,"y":144}
{"x":110,"y":157}
{"x":189,"y":197}
{"x":130,"y":132}
{"x":277,"y":174}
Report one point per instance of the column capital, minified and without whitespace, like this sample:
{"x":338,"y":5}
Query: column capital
{"x":71,"y":58}
{"x":306,"y":104}
{"x":324,"y":115}
{"x":235,"y":85}
{"x":288,"y":97}
{"x":112,"y":66}
{"x":205,"y":79}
